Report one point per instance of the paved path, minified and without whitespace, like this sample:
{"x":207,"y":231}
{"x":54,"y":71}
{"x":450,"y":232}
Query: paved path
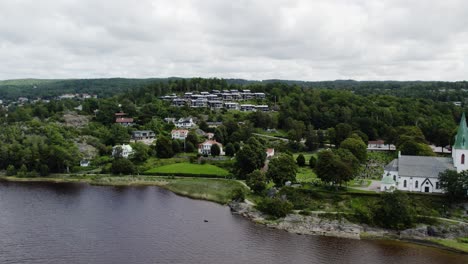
{"x":279,"y":138}
{"x":374,"y":186}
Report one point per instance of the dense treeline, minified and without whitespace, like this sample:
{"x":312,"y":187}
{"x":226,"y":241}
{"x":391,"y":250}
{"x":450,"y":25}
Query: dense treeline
{"x":318,"y":116}
{"x":33,"y":88}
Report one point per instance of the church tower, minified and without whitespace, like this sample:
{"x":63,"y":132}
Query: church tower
{"x":460,"y":147}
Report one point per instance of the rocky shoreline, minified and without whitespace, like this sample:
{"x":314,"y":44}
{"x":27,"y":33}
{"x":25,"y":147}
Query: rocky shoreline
{"x":313,"y":224}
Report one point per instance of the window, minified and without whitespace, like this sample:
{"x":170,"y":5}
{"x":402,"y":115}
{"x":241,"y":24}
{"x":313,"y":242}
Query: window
{"x":463,"y":159}
{"x":437,"y":185}
{"x":404,"y":184}
{"x":416,"y":184}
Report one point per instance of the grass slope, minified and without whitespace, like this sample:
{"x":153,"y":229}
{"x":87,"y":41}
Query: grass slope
{"x":215,"y":190}
{"x":189,"y":168}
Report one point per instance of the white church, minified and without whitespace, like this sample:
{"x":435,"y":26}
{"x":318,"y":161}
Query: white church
{"x":421,"y":173}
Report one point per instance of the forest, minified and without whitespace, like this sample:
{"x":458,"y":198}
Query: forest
{"x":309,"y":115}
{"x":10,"y":90}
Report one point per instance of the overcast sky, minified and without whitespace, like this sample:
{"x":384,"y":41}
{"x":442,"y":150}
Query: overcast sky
{"x":257,"y":39}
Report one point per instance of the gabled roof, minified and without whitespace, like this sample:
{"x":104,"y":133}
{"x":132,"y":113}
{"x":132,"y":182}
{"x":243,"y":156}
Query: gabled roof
{"x":421,"y":166}
{"x":392,"y":166}
{"x":461,"y":139}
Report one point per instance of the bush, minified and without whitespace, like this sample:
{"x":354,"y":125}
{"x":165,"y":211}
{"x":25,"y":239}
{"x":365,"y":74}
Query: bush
{"x":10,"y":171}
{"x":275,"y":207}
{"x":256,"y":180}
{"x":312,"y":162}
{"x":300,"y":160}
{"x":395,"y":211}
{"x":122,"y":166}
{"x":238,"y":195}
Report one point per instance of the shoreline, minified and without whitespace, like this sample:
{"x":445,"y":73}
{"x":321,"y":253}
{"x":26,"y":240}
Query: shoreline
{"x":294,"y":223}
{"x":341,"y":228}
{"x":122,"y":181}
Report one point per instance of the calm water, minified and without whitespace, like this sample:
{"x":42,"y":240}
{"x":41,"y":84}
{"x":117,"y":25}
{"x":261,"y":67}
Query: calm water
{"x":69,"y":223}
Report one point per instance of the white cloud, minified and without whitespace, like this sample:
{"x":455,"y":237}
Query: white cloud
{"x":288,"y":39}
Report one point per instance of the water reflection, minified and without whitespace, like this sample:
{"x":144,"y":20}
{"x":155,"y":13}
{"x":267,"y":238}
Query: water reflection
{"x":68,"y":223}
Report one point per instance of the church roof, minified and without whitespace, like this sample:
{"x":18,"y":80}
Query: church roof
{"x":421,"y":166}
{"x":392,"y":166}
{"x":461,"y":139}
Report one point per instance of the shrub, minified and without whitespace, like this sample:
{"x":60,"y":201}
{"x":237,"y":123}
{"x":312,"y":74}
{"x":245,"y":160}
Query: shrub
{"x":122,"y":166}
{"x":238,"y":195}
{"x":300,"y":160}
{"x":10,"y":171}
{"x":275,"y":207}
{"x":256,"y":180}
{"x":312,"y":162}
{"x":395,"y":211}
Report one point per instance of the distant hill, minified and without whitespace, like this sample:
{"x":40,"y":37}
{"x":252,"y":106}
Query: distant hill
{"x":49,"y":88}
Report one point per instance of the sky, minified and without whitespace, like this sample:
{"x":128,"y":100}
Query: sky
{"x":259,"y":39}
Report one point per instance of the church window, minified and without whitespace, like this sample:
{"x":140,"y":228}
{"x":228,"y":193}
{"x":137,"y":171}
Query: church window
{"x":463,"y":159}
{"x":416,"y":184}
{"x":404,"y":184}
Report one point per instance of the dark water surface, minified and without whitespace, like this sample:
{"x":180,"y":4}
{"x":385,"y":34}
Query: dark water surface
{"x":71,"y":223}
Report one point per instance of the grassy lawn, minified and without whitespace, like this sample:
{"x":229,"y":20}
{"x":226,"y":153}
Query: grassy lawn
{"x":456,"y":244}
{"x":305,"y":174}
{"x":216,"y":190}
{"x":278,"y":133}
{"x":189,"y":168}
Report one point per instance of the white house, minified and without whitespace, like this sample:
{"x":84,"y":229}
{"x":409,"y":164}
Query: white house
{"x":185,"y":123}
{"x":205,"y":147}
{"x":123,"y":151}
{"x":247,"y":107}
{"x":231,"y":106}
{"x":85,"y":163}
{"x":421,"y":173}
{"x":270,"y":153}
{"x":179,"y":134}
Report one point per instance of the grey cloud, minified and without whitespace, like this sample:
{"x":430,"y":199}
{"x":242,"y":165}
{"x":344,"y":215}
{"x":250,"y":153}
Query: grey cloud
{"x":296,"y":39}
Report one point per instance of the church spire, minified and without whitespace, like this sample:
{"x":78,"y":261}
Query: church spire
{"x":461,"y":139}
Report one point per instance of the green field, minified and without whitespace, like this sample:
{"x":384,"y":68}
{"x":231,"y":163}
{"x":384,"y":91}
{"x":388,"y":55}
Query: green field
{"x":217,"y":190}
{"x":305,"y":174}
{"x":189,"y":168}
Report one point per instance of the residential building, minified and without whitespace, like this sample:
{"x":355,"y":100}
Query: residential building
{"x":247,"y":107}
{"x":260,"y":96}
{"x":179,"y":102}
{"x":179,"y":134}
{"x":205,"y":147}
{"x":185,"y":123}
{"x":262,"y":108}
{"x":270,"y":153}
{"x":215,"y":104}
{"x":200,"y":102}
{"x":123,"y":151}
{"x":145,"y":136}
{"x":124,"y":121}
{"x":231,"y":106}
